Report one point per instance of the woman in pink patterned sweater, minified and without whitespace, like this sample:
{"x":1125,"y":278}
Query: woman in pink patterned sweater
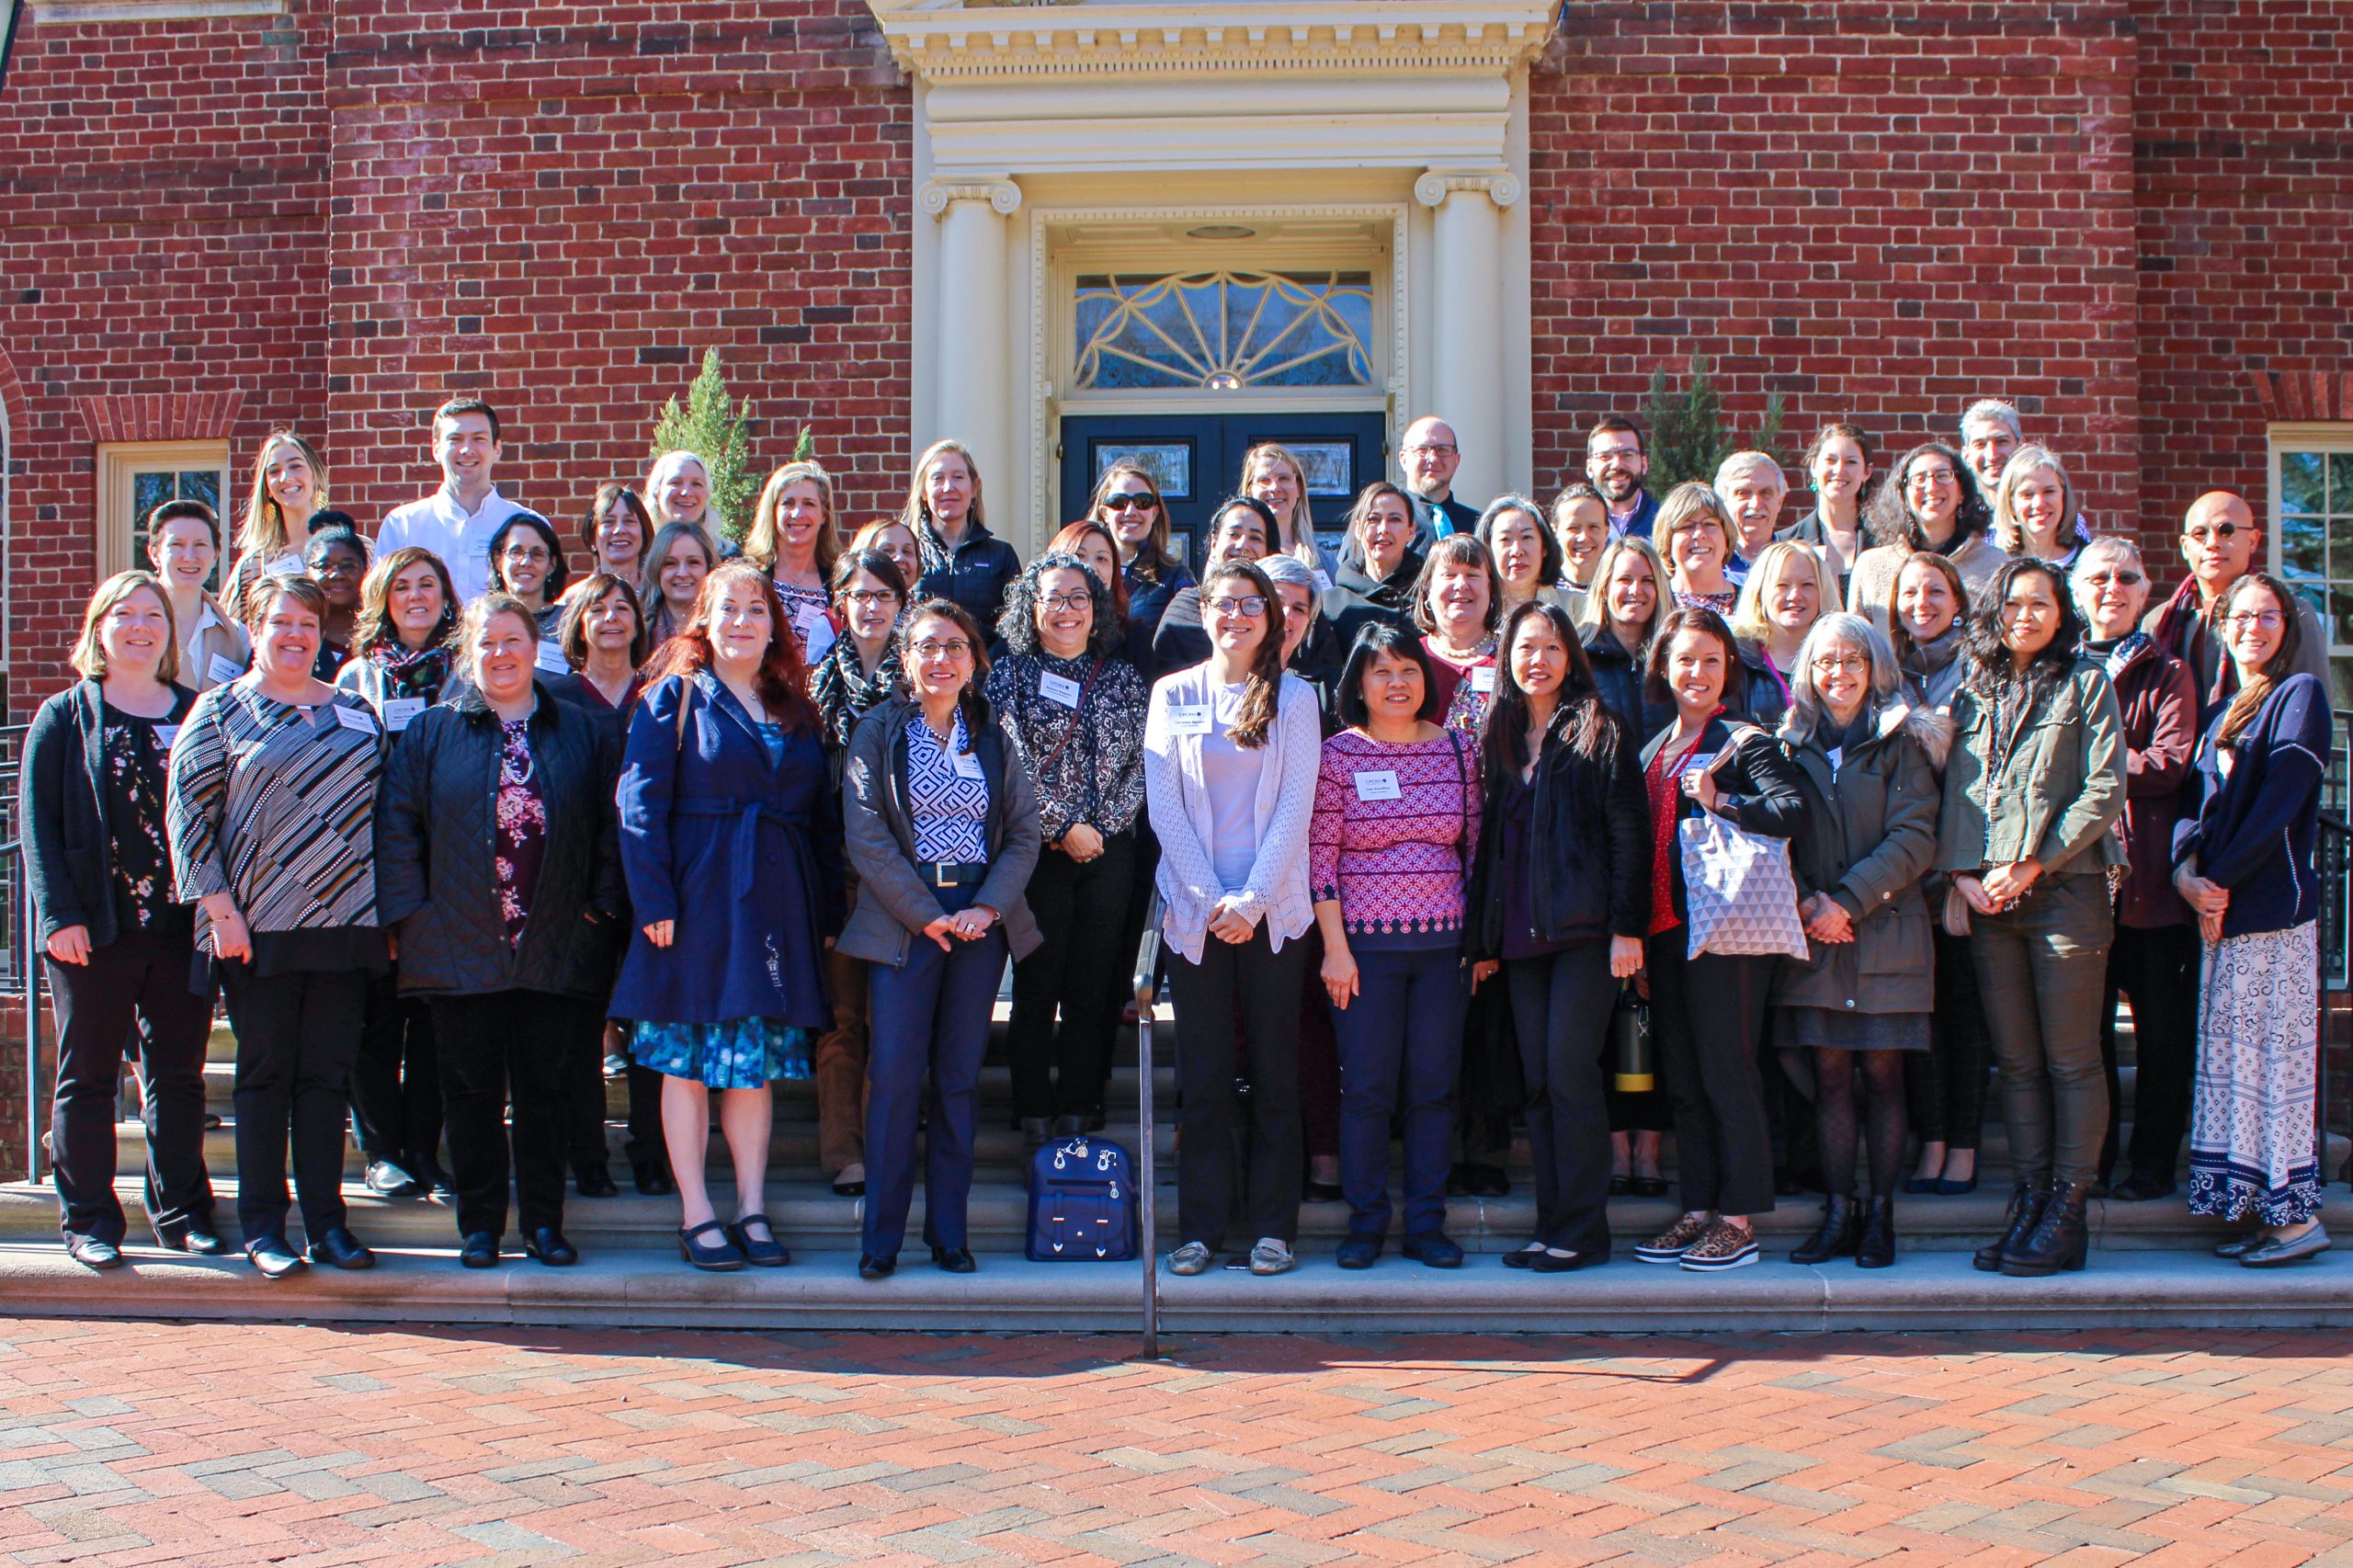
{"x":1396,"y":820}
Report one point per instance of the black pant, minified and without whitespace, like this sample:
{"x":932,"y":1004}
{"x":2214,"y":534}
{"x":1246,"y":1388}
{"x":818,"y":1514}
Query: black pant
{"x":1267,"y":984}
{"x":296,"y":1034}
{"x":145,"y":975}
{"x":1561,"y":1004}
{"x":2157,"y":968}
{"x":1708,"y":1012}
{"x":1081,"y":912}
{"x":1400,"y":1050}
{"x":584,"y":1073}
{"x":1946,"y":1083}
{"x":488,"y":1043}
{"x":395,"y":1087}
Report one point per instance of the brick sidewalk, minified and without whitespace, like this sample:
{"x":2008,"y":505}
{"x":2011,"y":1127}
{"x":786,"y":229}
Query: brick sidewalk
{"x":129,"y":1443}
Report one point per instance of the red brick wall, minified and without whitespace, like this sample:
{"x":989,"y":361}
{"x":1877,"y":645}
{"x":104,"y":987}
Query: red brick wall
{"x":1880,"y":209}
{"x":2244,"y":189}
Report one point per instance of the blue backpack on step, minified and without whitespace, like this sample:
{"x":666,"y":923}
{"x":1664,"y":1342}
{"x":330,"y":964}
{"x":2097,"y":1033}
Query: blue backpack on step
{"x":1081,"y":1204}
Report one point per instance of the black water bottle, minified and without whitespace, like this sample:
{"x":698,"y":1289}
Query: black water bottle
{"x":1631,"y":1056}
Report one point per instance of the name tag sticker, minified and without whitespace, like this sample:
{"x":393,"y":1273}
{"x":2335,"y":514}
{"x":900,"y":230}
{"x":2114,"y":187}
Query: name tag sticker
{"x":1699,"y":761}
{"x":221,"y":669}
{"x":1323,"y":581}
{"x":401,"y":711}
{"x":551,"y":659}
{"x":967,"y":764}
{"x":1189,"y":721}
{"x":355,"y":718}
{"x":1059,"y":688}
{"x":165,"y":735}
{"x":1482,"y":678}
{"x":288,"y":564}
{"x":1378,"y":784}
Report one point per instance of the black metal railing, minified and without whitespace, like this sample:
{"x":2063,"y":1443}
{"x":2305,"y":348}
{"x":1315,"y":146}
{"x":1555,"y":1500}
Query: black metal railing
{"x":1147,"y":994}
{"x":20,"y":963}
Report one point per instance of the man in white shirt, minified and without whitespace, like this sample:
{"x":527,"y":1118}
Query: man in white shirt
{"x":457,"y":521}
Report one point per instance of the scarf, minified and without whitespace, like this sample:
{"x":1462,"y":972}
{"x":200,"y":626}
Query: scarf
{"x":842,"y":691}
{"x":2118,"y":653}
{"x":413,"y":672}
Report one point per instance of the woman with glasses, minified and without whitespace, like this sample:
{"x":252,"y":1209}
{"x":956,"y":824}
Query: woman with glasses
{"x":2154,"y":958}
{"x":2033,"y":785}
{"x":943,"y":834}
{"x":526,"y":564}
{"x":1127,"y":501}
{"x":1930,"y":502}
{"x":1695,"y":533}
{"x":1231,"y":751}
{"x":2245,"y":860}
{"x":1860,"y":1003}
{"x":337,"y":560}
{"x":1075,"y":710}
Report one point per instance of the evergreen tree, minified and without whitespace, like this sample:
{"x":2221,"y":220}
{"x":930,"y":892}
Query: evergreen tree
{"x":1688,"y":437}
{"x":716,"y":432}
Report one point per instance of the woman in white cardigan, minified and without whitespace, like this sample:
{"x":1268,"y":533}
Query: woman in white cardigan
{"x":1230,"y":756}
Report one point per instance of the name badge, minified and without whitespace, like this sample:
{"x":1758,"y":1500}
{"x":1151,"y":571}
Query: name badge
{"x":355,"y":718}
{"x":2225,"y":758}
{"x":551,"y":659}
{"x":810,"y":622}
{"x":288,"y":564}
{"x":1323,"y":581}
{"x":1837,"y":757}
{"x":1189,"y":721}
{"x":401,"y":711}
{"x":221,"y":669}
{"x":1482,"y":678}
{"x":1699,"y":761}
{"x":165,"y":735}
{"x":1059,"y":688}
{"x":1379,"y":784}
{"x":968,"y":764}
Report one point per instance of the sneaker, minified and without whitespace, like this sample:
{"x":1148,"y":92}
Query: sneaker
{"x":1193,"y":1257}
{"x":1726,"y":1245}
{"x":1271,"y":1257}
{"x":1670,"y":1244}
{"x":386,"y":1179}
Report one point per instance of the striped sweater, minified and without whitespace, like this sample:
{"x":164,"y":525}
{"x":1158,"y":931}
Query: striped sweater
{"x":276,"y":808}
{"x":1395,"y":864}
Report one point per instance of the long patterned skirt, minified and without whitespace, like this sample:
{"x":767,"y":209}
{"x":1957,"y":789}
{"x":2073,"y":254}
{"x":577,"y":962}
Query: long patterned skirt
{"x":2251,"y":1139}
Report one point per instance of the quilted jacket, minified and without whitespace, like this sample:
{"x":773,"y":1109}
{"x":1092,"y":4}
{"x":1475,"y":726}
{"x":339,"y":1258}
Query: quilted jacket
{"x":436,"y":837}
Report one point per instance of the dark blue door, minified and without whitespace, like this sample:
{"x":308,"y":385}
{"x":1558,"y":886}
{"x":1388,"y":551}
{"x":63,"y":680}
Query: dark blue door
{"x":1197,"y":460}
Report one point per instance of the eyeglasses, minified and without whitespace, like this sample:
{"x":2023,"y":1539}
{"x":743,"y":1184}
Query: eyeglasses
{"x":2269,"y":620}
{"x":1131,"y":501}
{"x":2208,"y":535}
{"x":1613,"y":454}
{"x":1077,"y":598}
{"x":872,"y":597}
{"x":1434,"y":448}
{"x":2121,"y":579}
{"x":956,"y":649}
{"x":1831,"y":663}
{"x":534,"y":556}
{"x":1252,"y":605}
{"x":1939,"y":475}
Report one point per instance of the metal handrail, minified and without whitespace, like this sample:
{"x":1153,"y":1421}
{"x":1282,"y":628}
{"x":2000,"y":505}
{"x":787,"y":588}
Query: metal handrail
{"x":1147,"y":992}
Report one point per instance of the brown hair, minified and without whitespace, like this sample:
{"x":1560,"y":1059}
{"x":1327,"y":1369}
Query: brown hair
{"x":572,"y":630}
{"x":1459,"y":549}
{"x":1065,"y":542}
{"x":1900,"y":634}
{"x":264,"y":529}
{"x":1708,"y":623}
{"x":782,"y":680}
{"x":971,"y":699}
{"x":1153,"y":558}
{"x":1262,"y":691}
{"x":374,"y":622}
{"x":272,"y":586}
{"x":89,"y":657}
{"x":2281,"y":665}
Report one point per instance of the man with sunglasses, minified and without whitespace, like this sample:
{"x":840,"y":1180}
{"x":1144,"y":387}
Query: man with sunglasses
{"x":2219,"y":542}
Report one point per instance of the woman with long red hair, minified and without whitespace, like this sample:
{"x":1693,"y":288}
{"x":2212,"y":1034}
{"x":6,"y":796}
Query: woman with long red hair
{"x":731,"y":841}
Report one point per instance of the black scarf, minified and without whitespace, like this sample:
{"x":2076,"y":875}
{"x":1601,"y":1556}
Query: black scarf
{"x":842,"y":690}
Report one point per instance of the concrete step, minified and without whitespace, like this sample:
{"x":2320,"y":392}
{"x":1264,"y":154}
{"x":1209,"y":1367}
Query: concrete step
{"x":1937,"y":1292}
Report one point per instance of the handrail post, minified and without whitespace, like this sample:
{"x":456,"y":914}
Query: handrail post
{"x":23,"y":914}
{"x":1147,"y":993}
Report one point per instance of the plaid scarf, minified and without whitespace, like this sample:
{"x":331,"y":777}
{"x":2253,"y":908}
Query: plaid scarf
{"x":413,"y":672}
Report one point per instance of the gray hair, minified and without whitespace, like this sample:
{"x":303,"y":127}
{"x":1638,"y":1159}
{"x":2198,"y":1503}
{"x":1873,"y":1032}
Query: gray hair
{"x":1806,"y":708}
{"x":1740,"y":462}
{"x":1287,"y":568}
{"x":2097,"y":552}
{"x":1503,"y":504}
{"x":1992,"y":408}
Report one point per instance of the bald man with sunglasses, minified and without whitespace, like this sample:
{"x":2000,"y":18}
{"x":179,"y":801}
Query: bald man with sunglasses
{"x":2219,"y":542}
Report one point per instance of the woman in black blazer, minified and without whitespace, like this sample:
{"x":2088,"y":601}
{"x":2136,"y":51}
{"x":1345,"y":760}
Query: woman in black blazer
{"x":120,"y":945}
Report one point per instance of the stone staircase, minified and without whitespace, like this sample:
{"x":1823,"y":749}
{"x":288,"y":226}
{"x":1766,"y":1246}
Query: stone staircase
{"x":2150,"y":1264}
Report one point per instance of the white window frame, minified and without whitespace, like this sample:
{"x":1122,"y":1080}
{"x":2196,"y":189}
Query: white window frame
{"x":118,"y":466}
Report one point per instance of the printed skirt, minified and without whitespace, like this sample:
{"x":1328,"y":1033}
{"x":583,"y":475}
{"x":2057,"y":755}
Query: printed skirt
{"x":741,"y":1053}
{"x":2251,"y":1141}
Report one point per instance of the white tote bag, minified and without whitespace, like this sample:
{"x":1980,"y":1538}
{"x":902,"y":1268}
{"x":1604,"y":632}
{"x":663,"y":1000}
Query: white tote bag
{"x":1739,"y":894}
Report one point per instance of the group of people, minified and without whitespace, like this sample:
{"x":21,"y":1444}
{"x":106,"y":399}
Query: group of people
{"x":455,"y":834}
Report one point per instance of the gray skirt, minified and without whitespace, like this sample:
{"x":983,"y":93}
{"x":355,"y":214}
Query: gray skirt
{"x":1835,"y":1028}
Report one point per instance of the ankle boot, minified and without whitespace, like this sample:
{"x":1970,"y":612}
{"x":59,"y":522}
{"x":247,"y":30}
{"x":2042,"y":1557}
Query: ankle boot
{"x":1876,"y":1248}
{"x":2060,"y":1240}
{"x":2027,"y":1201}
{"x":1836,"y":1238}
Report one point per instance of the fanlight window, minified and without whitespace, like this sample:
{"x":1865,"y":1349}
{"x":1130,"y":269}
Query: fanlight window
{"x":1225,"y":330}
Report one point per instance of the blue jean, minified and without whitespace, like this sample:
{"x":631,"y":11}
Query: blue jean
{"x":929,"y":1020}
{"x":1401,"y":1050}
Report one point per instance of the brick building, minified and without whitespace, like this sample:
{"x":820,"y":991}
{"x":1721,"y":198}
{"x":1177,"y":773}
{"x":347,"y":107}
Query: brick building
{"x":902,"y":218}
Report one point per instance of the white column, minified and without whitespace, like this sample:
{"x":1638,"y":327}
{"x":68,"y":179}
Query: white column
{"x":973,"y":400}
{"x":1466,"y":339}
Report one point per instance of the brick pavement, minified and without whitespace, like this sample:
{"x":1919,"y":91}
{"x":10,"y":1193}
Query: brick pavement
{"x":134,"y":1443}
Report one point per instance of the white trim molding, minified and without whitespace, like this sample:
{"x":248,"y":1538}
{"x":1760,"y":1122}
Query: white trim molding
{"x":73,"y":11}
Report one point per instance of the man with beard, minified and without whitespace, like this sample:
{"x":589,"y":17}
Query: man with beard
{"x":1615,"y":461}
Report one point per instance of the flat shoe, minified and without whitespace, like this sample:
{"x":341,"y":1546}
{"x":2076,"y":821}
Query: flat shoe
{"x":1436,"y":1250}
{"x":2239,"y":1246}
{"x":954,"y":1260}
{"x":652,"y":1178}
{"x":596,"y":1181}
{"x":718,"y":1257}
{"x":768,"y":1254}
{"x":273,"y":1257}
{"x":1193,"y":1257}
{"x":1524,"y":1258}
{"x":1547,"y":1263}
{"x":872,"y":1268}
{"x":1272,"y":1256}
{"x":479,"y":1250}
{"x":850,"y":1182}
{"x":386,"y":1179}
{"x":199,"y":1239}
{"x":93,"y":1251}
{"x":1621,"y":1184}
{"x":547,"y":1245}
{"x":338,"y":1246}
{"x":1358,"y":1252}
{"x":1650,"y":1187}
{"x":2274,"y":1252}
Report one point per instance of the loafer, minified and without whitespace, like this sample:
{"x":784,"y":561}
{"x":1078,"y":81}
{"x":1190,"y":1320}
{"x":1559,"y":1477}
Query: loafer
{"x":1193,"y":1257}
{"x":273,"y":1257}
{"x":547,"y":1245}
{"x":652,"y":1178}
{"x":762,"y":1252}
{"x":1433,"y":1249}
{"x":386,"y":1179}
{"x":595,"y":1181}
{"x":1272,"y":1255}
{"x":196,"y":1236}
{"x":872,"y":1268}
{"x":1358,"y":1252}
{"x":1524,"y":1258}
{"x":1549,"y":1262}
{"x":341,"y":1248}
{"x":93,"y":1251}
{"x":850,"y":1182}
{"x":707,"y":1246}
{"x":954,"y":1260}
{"x":2239,"y":1246}
{"x":2275,"y":1252}
{"x":479,"y":1250}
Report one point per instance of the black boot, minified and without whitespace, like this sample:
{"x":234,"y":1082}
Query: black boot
{"x":1876,"y":1249}
{"x":2060,"y":1240}
{"x":1836,"y":1236}
{"x":2027,"y":1201}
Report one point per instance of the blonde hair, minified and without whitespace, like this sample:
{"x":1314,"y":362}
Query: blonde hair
{"x":89,"y":657}
{"x":765,"y":540}
{"x":1749,"y":622}
{"x":264,"y":528}
{"x":917,"y":513}
{"x":1687,"y":506}
{"x":1596,"y":605}
{"x":477,"y":618}
{"x":1301,"y":522}
{"x":677,"y":458}
{"x":2008,"y":532}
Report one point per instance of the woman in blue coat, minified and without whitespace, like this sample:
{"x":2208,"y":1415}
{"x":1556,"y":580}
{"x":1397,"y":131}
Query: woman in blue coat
{"x":731,"y":841}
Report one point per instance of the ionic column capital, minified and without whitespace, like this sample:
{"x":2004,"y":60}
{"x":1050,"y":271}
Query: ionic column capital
{"x":1435,"y":187}
{"x":1001,"y":194}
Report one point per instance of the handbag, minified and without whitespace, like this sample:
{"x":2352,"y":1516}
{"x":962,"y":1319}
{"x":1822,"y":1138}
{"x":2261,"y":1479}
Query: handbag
{"x":1740,"y":896}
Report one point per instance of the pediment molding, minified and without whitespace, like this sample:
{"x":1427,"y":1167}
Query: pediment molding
{"x":945,"y":41}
